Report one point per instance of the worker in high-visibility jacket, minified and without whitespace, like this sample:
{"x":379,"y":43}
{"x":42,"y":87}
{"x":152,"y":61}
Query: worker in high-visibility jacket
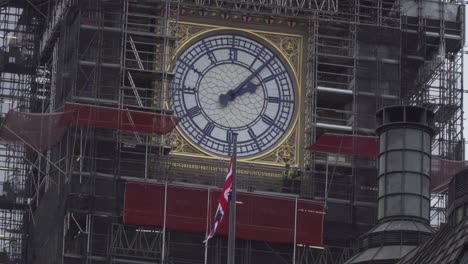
{"x":287,"y":173}
{"x":295,"y":176}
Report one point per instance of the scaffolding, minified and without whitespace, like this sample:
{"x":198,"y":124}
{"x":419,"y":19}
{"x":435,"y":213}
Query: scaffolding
{"x":360,"y":55}
{"x":438,"y":82}
{"x":17,"y":75}
{"x":83,"y":46}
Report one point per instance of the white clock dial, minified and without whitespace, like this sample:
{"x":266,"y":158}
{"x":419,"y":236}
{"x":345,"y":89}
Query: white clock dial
{"x":237,"y":113}
{"x":231,"y":83}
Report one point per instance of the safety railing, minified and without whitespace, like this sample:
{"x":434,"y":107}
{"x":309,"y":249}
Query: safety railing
{"x":335,"y":116}
{"x":309,"y":184}
{"x":106,"y":92}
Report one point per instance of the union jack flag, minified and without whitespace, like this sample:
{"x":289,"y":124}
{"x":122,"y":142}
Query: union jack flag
{"x":223,"y":205}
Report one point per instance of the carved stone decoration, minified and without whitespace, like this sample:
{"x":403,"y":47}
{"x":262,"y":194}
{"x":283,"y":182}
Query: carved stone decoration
{"x":289,"y":46}
{"x":186,"y":31}
{"x":180,"y":145}
{"x":285,"y":153}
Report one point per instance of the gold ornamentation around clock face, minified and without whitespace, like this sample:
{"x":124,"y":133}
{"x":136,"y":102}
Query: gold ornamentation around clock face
{"x":230,"y":82}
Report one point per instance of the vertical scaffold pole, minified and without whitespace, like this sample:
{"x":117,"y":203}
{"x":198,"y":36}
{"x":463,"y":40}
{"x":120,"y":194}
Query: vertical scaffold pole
{"x":232,"y":208}
{"x":208,"y":207}
{"x":163,"y":247}
{"x":295,"y":232}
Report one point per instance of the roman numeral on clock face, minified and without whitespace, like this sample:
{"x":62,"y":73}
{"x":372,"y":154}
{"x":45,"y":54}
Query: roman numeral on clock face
{"x":267,"y":120}
{"x":229,"y":136}
{"x":269,"y":78}
{"x":188,"y":90}
{"x":233,"y":54}
{"x":194,"y":111}
{"x":273,"y":99}
{"x":251,"y":133}
{"x":208,"y":128}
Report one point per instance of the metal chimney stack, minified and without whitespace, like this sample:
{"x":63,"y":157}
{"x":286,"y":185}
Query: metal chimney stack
{"x":405,"y":134}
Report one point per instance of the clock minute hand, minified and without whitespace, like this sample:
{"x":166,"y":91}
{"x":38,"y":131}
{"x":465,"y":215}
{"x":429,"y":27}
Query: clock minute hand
{"x":231,"y":94}
{"x":242,"y":84}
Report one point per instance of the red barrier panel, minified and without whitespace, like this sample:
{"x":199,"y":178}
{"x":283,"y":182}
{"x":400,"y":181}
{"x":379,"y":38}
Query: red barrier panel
{"x":144,"y":204}
{"x":309,"y":223}
{"x":186,"y":208}
{"x":271,"y":218}
{"x":259,"y":217}
{"x":346,"y":144}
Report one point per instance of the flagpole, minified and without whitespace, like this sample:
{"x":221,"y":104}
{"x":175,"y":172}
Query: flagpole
{"x":232,"y":207}
{"x":208,"y":211}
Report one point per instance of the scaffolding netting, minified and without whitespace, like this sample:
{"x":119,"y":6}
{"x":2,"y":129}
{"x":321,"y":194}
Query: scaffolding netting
{"x":122,"y":119}
{"x":41,"y":131}
{"x":442,"y":170}
{"x":190,"y":209}
{"x":37,"y":131}
{"x":346,"y":144}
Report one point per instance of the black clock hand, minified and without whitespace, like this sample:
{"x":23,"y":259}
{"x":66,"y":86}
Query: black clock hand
{"x":231,"y":94}
{"x":250,"y":87}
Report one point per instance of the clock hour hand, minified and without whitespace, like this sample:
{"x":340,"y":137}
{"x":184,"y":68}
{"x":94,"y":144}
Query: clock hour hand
{"x":250,"y":87}
{"x":231,"y":94}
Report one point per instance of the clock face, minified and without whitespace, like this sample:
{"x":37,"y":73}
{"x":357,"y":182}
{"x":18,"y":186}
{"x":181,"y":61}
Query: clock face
{"x":230,"y":83}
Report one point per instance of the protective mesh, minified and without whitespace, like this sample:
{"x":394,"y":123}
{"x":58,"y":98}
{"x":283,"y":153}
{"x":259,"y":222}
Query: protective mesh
{"x":443,"y":171}
{"x":44,"y":130}
{"x":38,"y":131}
{"x":122,"y":119}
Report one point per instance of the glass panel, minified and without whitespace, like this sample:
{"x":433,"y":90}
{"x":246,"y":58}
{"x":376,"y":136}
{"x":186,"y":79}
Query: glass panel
{"x":427,"y":143}
{"x":412,"y":205}
{"x":413,"y":161}
{"x":412,"y":183}
{"x":426,"y":165}
{"x":394,"y":161}
{"x":382,"y":164}
{"x":395,"y":138}
{"x":394,"y":183}
{"x":425,"y":186}
{"x":381,"y":186}
{"x":425,"y":208}
{"x":393,"y":205}
{"x":414,"y":139}
{"x":381,"y":208}
{"x":382,"y":141}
